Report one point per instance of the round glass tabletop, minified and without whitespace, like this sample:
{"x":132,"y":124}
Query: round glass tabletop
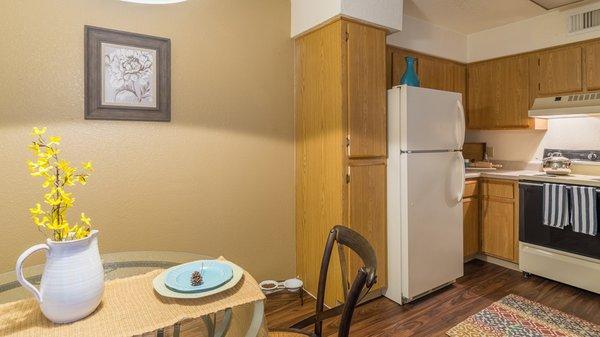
{"x":116,"y":265}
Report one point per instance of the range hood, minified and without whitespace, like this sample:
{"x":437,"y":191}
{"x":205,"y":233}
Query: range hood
{"x":575,"y":105}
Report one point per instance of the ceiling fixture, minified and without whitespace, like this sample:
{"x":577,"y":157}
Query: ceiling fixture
{"x":155,"y":2}
{"x":552,"y":4}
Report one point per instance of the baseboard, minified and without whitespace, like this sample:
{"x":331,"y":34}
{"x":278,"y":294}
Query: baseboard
{"x":373,"y":295}
{"x":499,"y":262}
{"x":309,"y":294}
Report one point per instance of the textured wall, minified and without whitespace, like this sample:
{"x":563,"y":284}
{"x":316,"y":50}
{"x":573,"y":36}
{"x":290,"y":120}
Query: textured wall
{"x":307,"y":14}
{"x":430,"y":39}
{"x":538,"y":32}
{"x":216,"y":180}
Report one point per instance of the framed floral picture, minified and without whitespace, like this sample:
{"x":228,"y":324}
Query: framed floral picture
{"x":127,"y":76}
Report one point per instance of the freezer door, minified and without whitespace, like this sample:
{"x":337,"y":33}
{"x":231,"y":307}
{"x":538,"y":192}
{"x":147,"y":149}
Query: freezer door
{"x":432,"y":220}
{"x":429,"y":119}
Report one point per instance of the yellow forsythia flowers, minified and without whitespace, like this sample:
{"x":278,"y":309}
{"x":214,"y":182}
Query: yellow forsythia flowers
{"x":58,"y":175}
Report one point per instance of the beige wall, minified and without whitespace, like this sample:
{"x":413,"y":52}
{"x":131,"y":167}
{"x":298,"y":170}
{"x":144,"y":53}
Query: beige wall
{"x":431,"y":39}
{"x":216,"y":180}
{"x":538,"y":32}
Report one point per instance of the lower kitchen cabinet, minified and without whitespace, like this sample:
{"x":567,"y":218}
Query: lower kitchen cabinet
{"x":499,"y":220}
{"x":471,"y":219}
{"x":471,"y":227}
{"x":498,"y":228}
{"x":490,"y":219}
{"x":367,"y":200}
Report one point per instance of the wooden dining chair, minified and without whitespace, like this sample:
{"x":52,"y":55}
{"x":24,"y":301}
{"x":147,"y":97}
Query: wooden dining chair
{"x":365,"y":278}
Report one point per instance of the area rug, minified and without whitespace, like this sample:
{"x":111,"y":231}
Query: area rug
{"x":516,"y":316}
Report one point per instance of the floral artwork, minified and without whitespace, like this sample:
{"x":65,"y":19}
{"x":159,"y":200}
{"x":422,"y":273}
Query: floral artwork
{"x":128,"y":76}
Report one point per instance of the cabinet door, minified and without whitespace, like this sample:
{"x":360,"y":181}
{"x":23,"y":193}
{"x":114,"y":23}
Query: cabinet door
{"x":499,"y":94}
{"x":498,"y":228}
{"x":366,"y":91}
{"x":367,"y":213}
{"x":442,"y":75}
{"x":470,"y":227}
{"x":512,"y":78}
{"x":592,"y":66}
{"x":482,"y":109}
{"x":559,"y":71}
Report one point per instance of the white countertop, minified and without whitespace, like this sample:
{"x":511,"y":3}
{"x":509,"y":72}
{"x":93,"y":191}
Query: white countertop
{"x":530,"y":175}
{"x":500,"y":174}
{"x":572,"y":179}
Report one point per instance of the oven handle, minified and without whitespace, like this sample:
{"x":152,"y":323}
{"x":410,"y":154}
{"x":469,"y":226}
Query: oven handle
{"x":542,"y":185}
{"x":531,"y":184}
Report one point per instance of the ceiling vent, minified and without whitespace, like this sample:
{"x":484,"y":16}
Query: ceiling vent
{"x":584,"y":21}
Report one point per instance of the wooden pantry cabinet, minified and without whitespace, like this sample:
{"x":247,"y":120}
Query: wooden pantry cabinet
{"x":341,"y":143}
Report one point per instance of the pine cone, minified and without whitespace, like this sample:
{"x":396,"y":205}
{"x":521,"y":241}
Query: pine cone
{"x":196,"y":279}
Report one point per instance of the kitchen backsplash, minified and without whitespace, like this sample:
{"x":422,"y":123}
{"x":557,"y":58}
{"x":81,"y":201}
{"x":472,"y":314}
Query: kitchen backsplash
{"x":528,"y":146}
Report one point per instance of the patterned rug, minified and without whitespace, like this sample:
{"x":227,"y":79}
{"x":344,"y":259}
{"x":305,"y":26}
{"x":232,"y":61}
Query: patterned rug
{"x":516,"y":316}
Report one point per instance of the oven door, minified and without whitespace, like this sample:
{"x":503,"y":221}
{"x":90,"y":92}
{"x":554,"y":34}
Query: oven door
{"x":532,"y":229}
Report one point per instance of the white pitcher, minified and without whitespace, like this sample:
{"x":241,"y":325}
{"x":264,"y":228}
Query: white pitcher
{"x":73,"y":279}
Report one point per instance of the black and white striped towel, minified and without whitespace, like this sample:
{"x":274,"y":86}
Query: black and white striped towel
{"x":556,"y":205}
{"x":583,"y":212}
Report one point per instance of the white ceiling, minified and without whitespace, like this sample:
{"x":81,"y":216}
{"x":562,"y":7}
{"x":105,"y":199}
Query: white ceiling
{"x":470,"y":16}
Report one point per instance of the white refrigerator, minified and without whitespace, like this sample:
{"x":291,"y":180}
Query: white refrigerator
{"x":425,"y":178}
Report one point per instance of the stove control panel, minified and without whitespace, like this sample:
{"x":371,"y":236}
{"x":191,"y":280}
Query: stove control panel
{"x":580,"y":155}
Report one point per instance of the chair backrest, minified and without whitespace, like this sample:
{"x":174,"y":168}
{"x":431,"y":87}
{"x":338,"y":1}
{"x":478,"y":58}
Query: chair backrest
{"x":365,"y":278}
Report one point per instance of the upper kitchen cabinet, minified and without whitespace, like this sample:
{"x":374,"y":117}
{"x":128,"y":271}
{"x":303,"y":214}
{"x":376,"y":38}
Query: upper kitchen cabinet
{"x":366,"y":91}
{"x":482,"y":109}
{"x":592,"y":65}
{"x":433,"y":72}
{"x":442,"y":75}
{"x":557,"y":71}
{"x":499,"y":94}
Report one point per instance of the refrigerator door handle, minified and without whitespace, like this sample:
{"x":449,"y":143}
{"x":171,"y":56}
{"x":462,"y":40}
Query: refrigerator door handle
{"x":462,"y":126}
{"x":461,"y":194}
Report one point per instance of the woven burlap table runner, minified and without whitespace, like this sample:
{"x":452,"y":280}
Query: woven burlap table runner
{"x":129,"y":307}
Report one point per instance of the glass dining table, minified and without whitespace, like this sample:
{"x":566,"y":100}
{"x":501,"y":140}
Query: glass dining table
{"x":125,"y":264}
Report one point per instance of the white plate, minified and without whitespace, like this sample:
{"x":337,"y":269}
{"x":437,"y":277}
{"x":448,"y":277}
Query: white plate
{"x":159,"y":283}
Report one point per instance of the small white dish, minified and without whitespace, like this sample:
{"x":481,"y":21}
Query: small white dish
{"x":293,"y":285}
{"x":270,"y":285}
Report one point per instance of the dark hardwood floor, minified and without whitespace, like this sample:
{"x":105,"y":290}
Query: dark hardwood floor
{"x":483,"y":284}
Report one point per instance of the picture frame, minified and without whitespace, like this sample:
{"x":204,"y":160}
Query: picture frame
{"x":127,"y":76}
